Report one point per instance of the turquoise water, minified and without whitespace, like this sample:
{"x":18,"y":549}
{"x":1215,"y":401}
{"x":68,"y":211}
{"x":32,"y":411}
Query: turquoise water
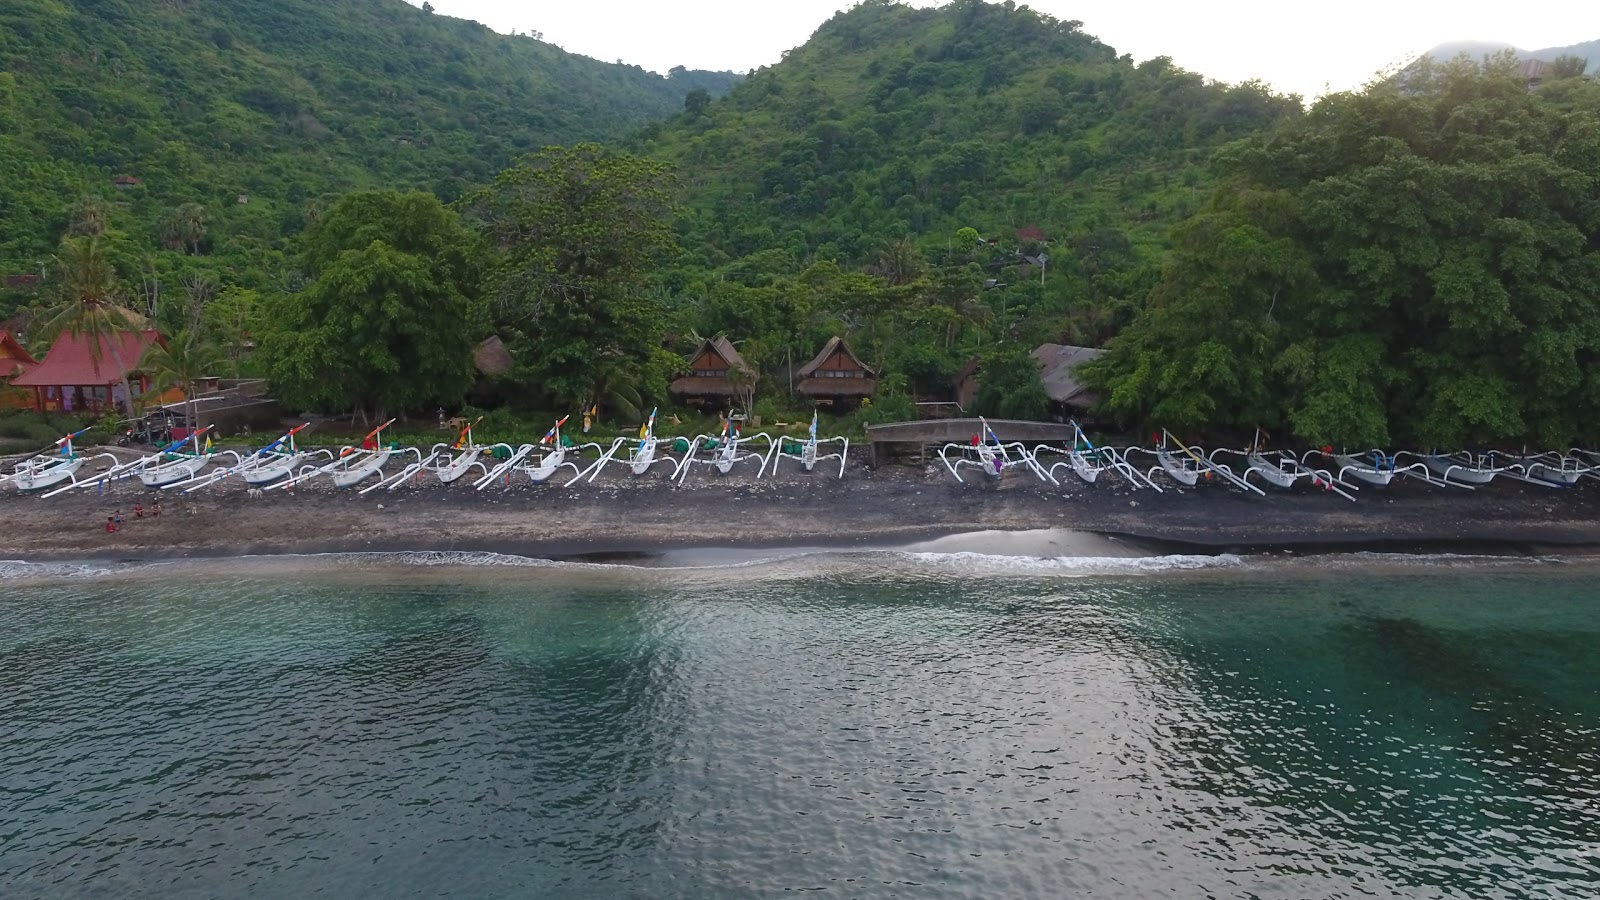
{"x":851,"y":725}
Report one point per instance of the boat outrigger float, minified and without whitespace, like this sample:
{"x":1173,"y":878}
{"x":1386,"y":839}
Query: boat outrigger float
{"x":1280,"y":468}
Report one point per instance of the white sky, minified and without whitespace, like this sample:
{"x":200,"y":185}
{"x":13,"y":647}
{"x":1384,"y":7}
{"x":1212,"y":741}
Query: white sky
{"x":1295,"y":45}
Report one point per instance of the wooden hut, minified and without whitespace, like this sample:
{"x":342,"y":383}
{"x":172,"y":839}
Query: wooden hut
{"x":717,"y":375}
{"x":75,"y":378}
{"x":837,"y":376}
{"x":1058,"y":365}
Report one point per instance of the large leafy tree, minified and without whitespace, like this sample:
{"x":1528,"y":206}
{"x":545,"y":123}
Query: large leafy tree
{"x":182,"y":362}
{"x":1417,"y":264}
{"x":87,"y":305}
{"x":389,"y":322}
{"x":575,"y":235}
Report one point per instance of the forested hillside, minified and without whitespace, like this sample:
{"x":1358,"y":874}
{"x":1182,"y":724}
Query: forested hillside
{"x":894,"y":128}
{"x":256,"y":111}
{"x":1417,"y":267}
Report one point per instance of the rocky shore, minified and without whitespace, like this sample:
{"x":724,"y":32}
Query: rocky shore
{"x":622,"y":514}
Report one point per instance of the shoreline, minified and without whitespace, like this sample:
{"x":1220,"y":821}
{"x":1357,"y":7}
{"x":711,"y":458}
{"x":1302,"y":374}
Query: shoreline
{"x":882,"y":509}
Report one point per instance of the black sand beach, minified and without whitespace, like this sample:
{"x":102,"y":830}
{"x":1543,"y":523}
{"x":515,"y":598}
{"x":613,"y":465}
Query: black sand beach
{"x":620,"y":514}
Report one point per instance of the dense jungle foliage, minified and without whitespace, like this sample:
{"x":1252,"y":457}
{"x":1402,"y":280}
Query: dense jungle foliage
{"x":1418,"y":266}
{"x":1411,"y":263}
{"x":258,"y":111}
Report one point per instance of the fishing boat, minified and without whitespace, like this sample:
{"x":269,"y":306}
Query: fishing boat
{"x":1186,"y":465}
{"x":1278,"y":468}
{"x":178,"y":466}
{"x":1373,"y":467}
{"x":1088,"y":461}
{"x":1559,"y":469}
{"x":264,"y":466}
{"x":446,"y":462}
{"x":808,"y":452}
{"x":645,"y":452}
{"x":726,"y":450}
{"x":990,"y":455}
{"x":50,"y":467}
{"x":1464,"y":467}
{"x":351,"y":465}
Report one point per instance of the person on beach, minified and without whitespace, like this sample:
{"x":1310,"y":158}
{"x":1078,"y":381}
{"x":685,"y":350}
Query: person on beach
{"x":138,"y":510}
{"x":111,"y":524}
{"x":155,"y":510}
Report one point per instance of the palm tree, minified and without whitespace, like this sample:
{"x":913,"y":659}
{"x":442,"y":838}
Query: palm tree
{"x":88,"y":217}
{"x":616,"y":387}
{"x":183,"y":363}
{"x":87,"y":306}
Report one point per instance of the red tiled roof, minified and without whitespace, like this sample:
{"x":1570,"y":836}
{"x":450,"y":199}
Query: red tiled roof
{"x":69,"y":362}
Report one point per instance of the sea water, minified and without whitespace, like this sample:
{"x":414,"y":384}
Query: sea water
{"x":917,"y":724}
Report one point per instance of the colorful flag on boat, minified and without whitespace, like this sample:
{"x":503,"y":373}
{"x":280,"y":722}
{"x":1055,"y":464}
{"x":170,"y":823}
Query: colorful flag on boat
{"x":550,"y":436}
{"x":208,"y":443}
{"x":813,"y":424}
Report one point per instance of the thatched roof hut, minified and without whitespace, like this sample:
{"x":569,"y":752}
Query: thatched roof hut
{"x":709,"y":368}
{"x":836,"y":373}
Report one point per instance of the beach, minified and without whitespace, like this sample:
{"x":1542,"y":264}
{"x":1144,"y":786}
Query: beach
{"x":894,"y":505}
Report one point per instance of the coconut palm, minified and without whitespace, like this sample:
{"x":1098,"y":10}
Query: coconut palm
{"x":182,"y":363}
{"x":87,"y":306}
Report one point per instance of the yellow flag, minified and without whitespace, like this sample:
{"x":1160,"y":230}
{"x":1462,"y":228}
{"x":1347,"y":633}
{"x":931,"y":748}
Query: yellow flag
{"x":643,"y":429}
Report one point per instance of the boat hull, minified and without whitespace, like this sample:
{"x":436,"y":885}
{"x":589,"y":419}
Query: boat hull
{"x":1456,"y":470}
{"x":48,"y":475}
{"x":173,"y":472}
{"x":1175,"y":468}
{"x":361,"y":470}
{"x":460,"y":467}
{"x":270,"y":472}
{"x":1084,"y":470}
{"x":547,"y":467}
{"x":1363,"y":470}
{"x":1270,"y":471}
{"x":643,"y":457}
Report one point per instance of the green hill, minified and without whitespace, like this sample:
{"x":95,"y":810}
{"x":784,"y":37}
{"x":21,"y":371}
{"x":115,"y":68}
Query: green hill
{"x":259,"y":109}
{"x":894,"y":122}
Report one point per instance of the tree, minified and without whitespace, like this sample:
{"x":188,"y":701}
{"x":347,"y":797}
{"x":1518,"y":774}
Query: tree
{"x":388,"y":323}
{"x":86,"y":305}
{"x":182,"y":363}
{"x":1567,"y":65}
{"x":577,"y":232}
{"x":695,"y":102}
{"x":1009,"y":385}
{"x":1409,"y":264}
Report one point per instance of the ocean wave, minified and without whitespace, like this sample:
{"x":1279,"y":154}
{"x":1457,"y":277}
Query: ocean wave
{"x":1076,"y":565}
{"x":11,"y":569}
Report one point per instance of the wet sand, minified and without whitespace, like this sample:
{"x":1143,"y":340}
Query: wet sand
{"x":620,"y":515}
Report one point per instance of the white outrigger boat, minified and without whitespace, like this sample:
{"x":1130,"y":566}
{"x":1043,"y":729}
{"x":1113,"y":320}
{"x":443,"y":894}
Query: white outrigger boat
{"x":168,"y":466}
{"x":1560,"y":469}
{"x":1374,"y":467}
{"x":446,"y":462}
{"x":1280,"y":469}
{"x":266,"y":465}
{"x":1463,"y":468}
{"x":808,"y":453}
{"x":1087,"y":461}
{"x":541,"y":461}
{"x":53,"y":466}
{"x":352,"y":465}
{"x":726,"y":451}
{"x":991,"y":455}
{"x":180,"y":467}
{"x":646,"y":452}
{"x":1186,"y":465}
